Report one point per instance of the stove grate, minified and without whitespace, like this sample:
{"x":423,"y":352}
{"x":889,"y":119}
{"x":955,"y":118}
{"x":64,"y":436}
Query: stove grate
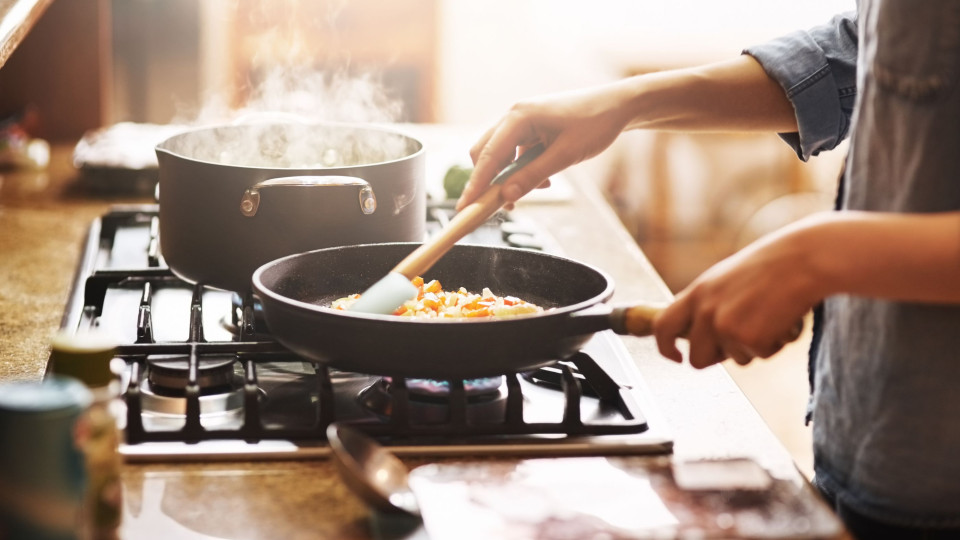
{"x":577,"y":378}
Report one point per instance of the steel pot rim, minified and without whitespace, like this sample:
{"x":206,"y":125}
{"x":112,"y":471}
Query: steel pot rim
{"x":162,"y":147}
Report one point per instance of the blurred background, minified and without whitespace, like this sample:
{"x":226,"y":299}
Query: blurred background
{"x":688,"y":200}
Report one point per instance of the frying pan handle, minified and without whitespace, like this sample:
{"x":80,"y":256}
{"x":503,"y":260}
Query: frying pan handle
{"x":638,"y":320}
{"x":635,"y":320}
{"x":250,"y":202}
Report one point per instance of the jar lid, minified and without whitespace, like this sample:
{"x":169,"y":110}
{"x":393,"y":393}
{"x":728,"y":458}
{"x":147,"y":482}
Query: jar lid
{"x":83,"y":355}
{"x":53,"y":394}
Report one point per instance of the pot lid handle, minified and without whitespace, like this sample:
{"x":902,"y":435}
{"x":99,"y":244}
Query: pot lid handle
{"x":250,"y":202}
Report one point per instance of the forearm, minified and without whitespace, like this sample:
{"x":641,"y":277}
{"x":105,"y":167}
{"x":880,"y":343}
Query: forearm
{"x":906,"y":257}
{"x":735,"y":95}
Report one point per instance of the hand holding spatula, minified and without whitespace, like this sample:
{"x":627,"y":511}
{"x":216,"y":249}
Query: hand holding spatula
{"x":386,"y":295}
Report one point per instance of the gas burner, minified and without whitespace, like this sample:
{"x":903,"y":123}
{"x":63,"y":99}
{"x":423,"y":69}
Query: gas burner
{"x":169,"y":413}
{"x":428,"y":401}
{"x":431,"y":389}
{"x":168,"y":374}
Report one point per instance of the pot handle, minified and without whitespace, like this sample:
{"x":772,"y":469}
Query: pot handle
{"x":250,"y":202}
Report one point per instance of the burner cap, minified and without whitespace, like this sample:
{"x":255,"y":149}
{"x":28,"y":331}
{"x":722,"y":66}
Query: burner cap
{"x":171,"y":371}
{"x":437,"y":388}
{"x":429,"y":399}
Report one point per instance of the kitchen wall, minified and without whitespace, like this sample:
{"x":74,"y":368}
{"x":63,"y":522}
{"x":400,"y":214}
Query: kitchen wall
{"x":497,"y":51}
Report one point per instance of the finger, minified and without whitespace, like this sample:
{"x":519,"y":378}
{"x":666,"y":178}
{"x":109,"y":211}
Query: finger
{"x":498,"y":151}
{"x":481,"y":142}
{"x":740,"y":359}
{"x":511,"y":193}
{"x":740,"y":355}
{"x":795,"y":332}
{"x":673,"y":323}
{"x":770,"y":347}
{"x":554,"y":159}
{"x":704,"y":347}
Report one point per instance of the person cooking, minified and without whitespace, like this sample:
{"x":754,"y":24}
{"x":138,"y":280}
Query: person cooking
{"x":883,"y":273}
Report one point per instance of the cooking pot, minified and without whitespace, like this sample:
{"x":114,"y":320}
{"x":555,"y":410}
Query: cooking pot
{"x":235,"y":197}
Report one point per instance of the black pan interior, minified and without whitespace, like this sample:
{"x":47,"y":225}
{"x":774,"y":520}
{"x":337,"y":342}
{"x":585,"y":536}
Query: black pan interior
{"x":326,"y":275}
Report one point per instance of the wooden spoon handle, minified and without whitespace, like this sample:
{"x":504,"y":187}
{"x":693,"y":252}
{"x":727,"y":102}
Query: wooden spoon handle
{"x":465,"y":222}
{"x":462,"y":224}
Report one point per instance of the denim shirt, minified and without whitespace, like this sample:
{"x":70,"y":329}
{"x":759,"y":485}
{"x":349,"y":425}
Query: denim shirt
{"x":886,"y":384}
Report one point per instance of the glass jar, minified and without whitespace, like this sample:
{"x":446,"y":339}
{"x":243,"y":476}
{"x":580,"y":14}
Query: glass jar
{"x":89,"y":357}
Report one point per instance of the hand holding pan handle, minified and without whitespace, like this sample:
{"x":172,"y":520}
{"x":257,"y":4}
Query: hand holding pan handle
{"x":637,"y":320}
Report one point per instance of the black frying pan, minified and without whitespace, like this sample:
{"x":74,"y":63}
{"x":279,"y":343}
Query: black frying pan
{"x":296,"y":290}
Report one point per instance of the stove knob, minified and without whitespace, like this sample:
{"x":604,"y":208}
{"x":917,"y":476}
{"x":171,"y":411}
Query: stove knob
{"x":526,"y":241}
{"x":508,"y":228}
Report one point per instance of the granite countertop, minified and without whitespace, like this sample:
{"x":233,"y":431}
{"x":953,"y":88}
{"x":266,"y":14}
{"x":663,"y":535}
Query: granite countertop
{"x":43,"y":220}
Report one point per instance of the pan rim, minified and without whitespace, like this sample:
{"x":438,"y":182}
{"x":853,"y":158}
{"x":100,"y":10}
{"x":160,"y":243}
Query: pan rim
{"x":599,"y":298}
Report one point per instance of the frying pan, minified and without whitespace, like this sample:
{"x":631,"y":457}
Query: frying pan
{"x":295,"y":291}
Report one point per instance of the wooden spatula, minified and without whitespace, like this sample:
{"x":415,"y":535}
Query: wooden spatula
{"x":388,"y":294}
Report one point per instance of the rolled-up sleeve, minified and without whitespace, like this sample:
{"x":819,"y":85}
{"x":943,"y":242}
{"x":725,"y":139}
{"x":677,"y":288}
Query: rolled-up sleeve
{"x":817,"y":69}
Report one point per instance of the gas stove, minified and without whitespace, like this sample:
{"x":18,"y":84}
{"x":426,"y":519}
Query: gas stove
{"x":204,"y":380}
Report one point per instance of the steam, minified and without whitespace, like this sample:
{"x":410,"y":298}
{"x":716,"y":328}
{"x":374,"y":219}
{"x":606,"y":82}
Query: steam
{"x":293,"y":113}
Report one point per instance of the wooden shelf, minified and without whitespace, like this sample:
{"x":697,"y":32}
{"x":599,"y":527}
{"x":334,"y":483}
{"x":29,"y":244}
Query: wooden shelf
{"x":16,"y":19}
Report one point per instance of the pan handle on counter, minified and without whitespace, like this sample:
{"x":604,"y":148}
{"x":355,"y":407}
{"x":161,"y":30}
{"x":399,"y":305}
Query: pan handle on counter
{"x":250,"y":202}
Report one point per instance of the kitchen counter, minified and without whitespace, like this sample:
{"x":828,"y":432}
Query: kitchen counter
{"x":43,"y":220}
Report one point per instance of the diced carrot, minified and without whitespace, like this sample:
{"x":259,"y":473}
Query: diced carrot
{"x":432,"y":302}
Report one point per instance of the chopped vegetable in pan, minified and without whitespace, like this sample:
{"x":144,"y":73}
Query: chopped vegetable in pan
{"x":433,"y":302}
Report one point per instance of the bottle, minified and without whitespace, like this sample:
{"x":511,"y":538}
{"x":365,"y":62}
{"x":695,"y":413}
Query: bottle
{"x":88,"y":357}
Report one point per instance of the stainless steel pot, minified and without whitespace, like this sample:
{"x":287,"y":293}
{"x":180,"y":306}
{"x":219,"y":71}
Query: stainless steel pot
{"x":235,"y":197}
